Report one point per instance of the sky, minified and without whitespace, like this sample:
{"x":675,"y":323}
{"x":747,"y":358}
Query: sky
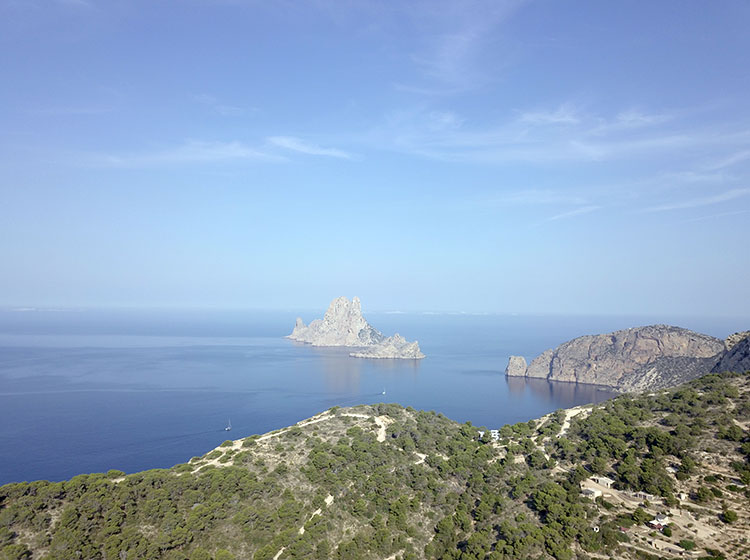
{"x":462,"y":156}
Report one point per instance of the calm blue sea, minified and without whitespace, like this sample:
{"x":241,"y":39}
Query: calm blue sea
{"x":88,"y":391}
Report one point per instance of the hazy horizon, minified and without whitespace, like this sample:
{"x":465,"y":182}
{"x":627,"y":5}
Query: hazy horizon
{"x":506,"y":157}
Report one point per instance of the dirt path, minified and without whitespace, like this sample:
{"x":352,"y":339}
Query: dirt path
{"x":569,"y":415}
{"x":301,"y":530}
{"x":381,"y":422}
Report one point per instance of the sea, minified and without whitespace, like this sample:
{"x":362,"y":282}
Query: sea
{"x":91,"y":390}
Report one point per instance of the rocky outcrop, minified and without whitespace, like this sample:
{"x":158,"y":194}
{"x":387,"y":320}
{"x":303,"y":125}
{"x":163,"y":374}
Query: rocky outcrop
{"x":395,"y":346}
{"x":733,"y":339}
{"x":737,"y":357}
{"x":516,"y":366}
{"x":344,"y":325}
{"x":637,"y":359}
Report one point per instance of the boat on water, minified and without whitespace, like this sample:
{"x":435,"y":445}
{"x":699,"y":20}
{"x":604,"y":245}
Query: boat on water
{"x":229,"y":425}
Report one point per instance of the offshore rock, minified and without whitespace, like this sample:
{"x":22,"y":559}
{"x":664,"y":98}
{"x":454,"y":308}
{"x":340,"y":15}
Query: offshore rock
{"x":516,"y":366}
{"x":395,"y":346}
{"x":344,"y":325}
{"x":637,"y":359}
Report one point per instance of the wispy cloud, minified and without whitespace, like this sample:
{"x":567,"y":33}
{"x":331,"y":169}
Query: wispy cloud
{"x":630,"y":119}
{"x":192,"y":152}
{"x":729,"y":160}
{"x":73,"y":110}
{"x":701,"y":201}
{"x":222,"y":109}
{"x":536,"y":197}
{"x":573,"y":213}
{"x":715,"y":216}
{"x":454,"y":38}
{"x":565,"y":114}
{"x":299,"y":145}
{"x":562,"y":134}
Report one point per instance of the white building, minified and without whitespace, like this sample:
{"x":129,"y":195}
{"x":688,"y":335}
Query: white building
{"x":591,"y":493}
{"x":603,"y":480}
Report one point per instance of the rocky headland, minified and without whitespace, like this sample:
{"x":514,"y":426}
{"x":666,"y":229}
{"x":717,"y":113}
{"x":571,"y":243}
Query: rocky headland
{"x":344,"y":325}
{"x":637,"y":359}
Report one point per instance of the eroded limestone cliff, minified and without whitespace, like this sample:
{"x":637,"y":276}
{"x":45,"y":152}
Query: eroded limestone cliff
{"x":637,"y":359}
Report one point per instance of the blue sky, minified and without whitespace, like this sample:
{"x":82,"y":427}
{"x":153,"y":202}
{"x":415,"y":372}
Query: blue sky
{"x":530,"y":157}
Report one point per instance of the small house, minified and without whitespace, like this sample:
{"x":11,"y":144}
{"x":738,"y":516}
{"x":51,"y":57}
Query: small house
{"x":591,"y":493}
{"x":603,"y":480}
{"x":660,"y":521}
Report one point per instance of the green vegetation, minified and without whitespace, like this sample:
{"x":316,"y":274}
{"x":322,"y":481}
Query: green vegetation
{"x":433,"y":488}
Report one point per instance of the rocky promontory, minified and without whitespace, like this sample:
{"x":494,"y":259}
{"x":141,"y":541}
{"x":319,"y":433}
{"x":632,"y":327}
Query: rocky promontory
{"x":737,"y":356}
{"x":636,"y":359}
{"x":344,"y":325}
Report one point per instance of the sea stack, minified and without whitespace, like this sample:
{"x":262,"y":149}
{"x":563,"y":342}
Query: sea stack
{"x":344,"y":325}
{"x":516,"y":366}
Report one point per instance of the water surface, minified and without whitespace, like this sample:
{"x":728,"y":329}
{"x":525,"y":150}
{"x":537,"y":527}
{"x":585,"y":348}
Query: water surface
{"x":91,"y":391}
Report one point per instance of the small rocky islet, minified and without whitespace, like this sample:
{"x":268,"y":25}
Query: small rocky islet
{"x":343,"y":325}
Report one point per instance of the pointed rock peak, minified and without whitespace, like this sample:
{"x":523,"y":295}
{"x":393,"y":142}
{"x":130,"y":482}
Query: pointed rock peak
{"x":342,"y":307}
{"x":343,"y":325}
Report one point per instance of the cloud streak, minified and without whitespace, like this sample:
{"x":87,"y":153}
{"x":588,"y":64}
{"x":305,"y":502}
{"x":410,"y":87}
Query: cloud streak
{"x":298,"y":145}
{"x":573,"y":213}
{"x":726,"y":196}
{"x":454,"y":39}
{"x":221,"y":108}
{"x":561,"y":135}
{"x":192,"y":152}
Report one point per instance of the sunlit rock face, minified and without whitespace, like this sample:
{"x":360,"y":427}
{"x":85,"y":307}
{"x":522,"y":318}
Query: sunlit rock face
{"x":636,"y":359}
{"x":344,"y":325}
{"x":737,"y":357}
{"x":516,"y":366}
{"x":395,"y":346}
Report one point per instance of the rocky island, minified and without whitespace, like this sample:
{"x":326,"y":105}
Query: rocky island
{"x":344,"y":325}
{"x":637,"y":359}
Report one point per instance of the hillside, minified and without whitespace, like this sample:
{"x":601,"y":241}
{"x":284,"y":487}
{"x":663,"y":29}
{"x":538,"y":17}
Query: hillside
{"x":383,"y":481}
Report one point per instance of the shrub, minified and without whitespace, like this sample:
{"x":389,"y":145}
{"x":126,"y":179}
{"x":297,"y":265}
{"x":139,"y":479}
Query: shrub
{"x":728,"y":516}
{"x":687,"y":544}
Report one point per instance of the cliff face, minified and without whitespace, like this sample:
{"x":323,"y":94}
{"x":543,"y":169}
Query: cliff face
{"x":636,"y":359}
{"x":737,"y":357}
{"x":344,"y":325}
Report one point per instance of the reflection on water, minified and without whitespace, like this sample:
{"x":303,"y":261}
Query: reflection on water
{"x":341,"y":373}
{"x":560,"y":393}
